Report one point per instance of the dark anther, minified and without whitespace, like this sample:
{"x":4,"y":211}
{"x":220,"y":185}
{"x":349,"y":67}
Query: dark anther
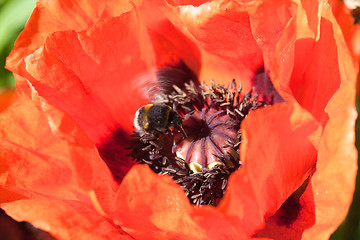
{"x":202,"y":151}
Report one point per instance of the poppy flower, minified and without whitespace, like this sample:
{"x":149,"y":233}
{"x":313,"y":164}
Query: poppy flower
{"x":84,"y":68}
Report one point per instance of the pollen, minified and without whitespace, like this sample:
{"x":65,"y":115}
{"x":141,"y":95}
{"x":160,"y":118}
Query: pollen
{"x":195,"y":167}
{"x":202,"y":151}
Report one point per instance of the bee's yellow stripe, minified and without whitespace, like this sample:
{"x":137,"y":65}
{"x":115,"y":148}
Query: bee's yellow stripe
{"x":145,"y":121}
{"x":169,"y":109}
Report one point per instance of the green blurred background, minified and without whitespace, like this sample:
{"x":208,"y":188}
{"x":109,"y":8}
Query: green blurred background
{"x":13,"y":16}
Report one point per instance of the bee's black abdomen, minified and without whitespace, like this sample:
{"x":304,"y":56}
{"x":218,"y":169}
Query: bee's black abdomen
{"x":153,"y":117}
{"x":158,"y":117}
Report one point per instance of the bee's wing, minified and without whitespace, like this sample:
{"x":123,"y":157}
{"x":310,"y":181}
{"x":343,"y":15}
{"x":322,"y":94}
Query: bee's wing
{"x":147,"y":85}
{"x":157,"y":84}
{"x":178,"y":74}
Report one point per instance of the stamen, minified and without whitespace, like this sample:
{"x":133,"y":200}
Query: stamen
{"x":214,"y":164}
{"x":209,"y":137}
{"x":195,"y":167}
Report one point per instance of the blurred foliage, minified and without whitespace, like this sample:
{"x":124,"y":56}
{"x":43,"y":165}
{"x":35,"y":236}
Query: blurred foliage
{"x":13,"y":16}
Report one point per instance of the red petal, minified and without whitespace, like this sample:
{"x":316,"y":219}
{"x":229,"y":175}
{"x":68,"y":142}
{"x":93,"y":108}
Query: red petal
{"x":6,"y":98}
{"x":154,"y":207}
{"x":329,"y":94}
{"x":32,"y":156}
{"x":13,"y":230}
{"x":150,"y":206}
{"x":334,"y":181}
{"x":85,"y":75}
{"x":230,"y":36}
{"x":114,"y":152}
{"x":64,"y":219}
{"x":268,"y":22}
{"x":293,"y":218}
{"x":319,"y":60}
{"x":278,"y":155}
{"x":94,"y":176}
{"x":36,"y":161}
{"x":170,"y":45}
{"x":52,"y":16}
{"x":330,"y":192}
{"x":187,"y":2}
{"x":223,"y":30}
{"x":223,"y":71}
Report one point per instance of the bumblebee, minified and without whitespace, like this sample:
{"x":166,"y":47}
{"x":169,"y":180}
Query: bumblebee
{"x":152,"y":118}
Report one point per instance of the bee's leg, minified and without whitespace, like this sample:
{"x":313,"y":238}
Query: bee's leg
{"x":189,"y":113}
{"x":183,"y":131}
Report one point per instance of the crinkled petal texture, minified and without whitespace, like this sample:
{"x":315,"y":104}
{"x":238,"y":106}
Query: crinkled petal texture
{"x":84,"y":74}
{"x":329,"y":76}
{"x":56,"y":185}
{"x":81,"y":66}
{"x":52,"y":16}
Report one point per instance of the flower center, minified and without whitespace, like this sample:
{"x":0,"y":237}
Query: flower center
{"x":196,"y":139}
{"x":207,"y":139}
